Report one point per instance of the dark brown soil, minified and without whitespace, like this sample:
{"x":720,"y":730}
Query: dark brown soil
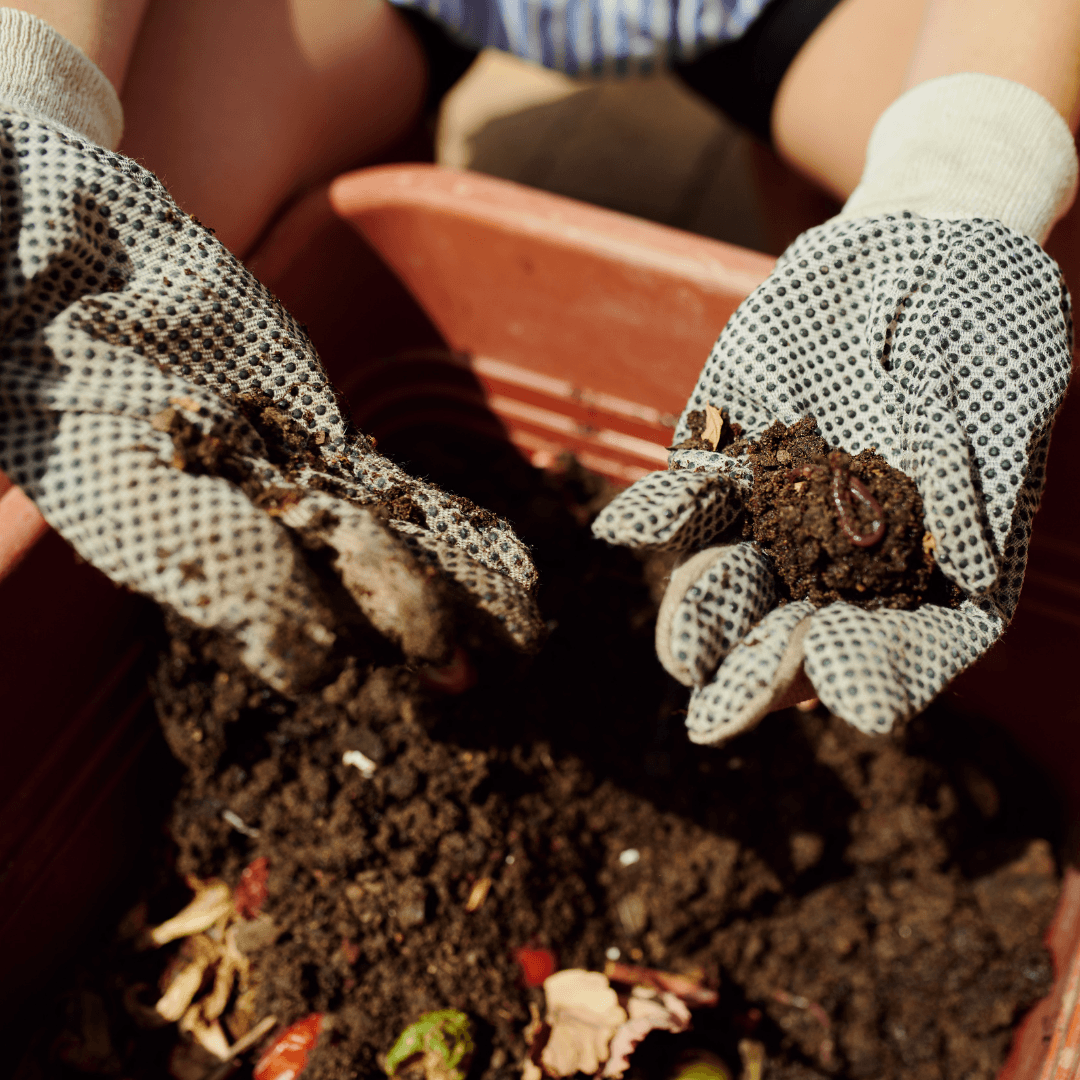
{"x":868,"y":907}
{"x":796,"y":519}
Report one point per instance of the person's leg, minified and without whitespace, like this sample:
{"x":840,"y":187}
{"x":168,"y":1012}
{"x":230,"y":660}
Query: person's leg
{"x":238,"y":105}
{"x":841,"y":81}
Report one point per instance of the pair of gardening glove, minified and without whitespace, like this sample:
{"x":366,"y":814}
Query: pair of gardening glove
{"x":172,"y":421}
{"x":926,"y":322}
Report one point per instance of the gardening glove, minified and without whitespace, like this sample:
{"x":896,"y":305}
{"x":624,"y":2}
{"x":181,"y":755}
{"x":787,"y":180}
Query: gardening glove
{"x":174,"y":424}
{"x":924,"y":321}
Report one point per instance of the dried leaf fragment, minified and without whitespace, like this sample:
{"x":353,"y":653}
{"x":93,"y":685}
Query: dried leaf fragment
{"x":583,"y":1014}
{"x":714,"y":426}
{"x":212,"y":901}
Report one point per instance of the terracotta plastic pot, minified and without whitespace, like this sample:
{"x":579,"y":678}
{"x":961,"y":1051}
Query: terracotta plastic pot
{"x":559,"y":325}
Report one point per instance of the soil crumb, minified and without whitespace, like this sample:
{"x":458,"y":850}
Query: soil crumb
{"x":867,"y":907}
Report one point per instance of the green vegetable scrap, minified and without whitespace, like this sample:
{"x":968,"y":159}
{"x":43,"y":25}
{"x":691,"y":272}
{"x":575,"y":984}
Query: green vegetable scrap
{"x":441,"y":1043}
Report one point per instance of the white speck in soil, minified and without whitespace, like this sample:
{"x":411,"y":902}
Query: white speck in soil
{"x":361,"y":761}
{"x":239,"y":824}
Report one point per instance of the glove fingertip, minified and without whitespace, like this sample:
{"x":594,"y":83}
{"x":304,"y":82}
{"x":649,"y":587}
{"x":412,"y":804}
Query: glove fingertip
{"x":670,"y":511}
{"x":756,"y":679}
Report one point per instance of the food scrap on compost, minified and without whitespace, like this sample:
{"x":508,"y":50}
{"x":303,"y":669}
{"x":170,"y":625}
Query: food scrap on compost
{"x":588,"y":1027}
{"x":438,"y":1046}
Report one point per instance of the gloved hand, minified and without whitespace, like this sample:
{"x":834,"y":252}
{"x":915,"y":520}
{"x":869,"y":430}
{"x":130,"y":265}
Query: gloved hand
{"x":926,"y":321}
{"x":173,"y":423}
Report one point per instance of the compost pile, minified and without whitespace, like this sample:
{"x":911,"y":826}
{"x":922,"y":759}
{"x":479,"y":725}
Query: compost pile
{"x":865,"y":907}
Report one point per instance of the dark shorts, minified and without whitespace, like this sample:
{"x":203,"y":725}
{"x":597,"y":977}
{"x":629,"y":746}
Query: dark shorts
{"x":447,"y":59}
{"x":739,"y":77}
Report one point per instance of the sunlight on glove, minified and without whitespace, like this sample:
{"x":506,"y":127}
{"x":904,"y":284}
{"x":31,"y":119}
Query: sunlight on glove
{"x":173,"y":423}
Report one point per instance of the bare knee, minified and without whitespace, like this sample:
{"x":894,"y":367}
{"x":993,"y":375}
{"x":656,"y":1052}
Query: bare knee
{"x":239,"y":104}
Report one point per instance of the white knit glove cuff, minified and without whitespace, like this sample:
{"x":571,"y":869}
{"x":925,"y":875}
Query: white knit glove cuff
{"x":966,"y":146}
{"x":44,"y":74}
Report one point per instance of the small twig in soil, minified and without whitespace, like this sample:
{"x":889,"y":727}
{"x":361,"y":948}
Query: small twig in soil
{"x":478,"y":894}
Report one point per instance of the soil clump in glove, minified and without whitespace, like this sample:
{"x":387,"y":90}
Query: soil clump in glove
{"x":835,"y":526}
{"x":867,"y":906}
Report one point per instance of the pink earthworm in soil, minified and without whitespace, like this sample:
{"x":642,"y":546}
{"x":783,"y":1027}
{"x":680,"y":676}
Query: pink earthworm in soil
{"x":844,"y":485}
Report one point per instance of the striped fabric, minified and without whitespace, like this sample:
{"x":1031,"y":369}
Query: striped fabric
{"x":594,"y":37}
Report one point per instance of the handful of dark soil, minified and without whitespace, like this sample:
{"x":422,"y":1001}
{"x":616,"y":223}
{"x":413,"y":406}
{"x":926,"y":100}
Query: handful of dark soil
{"x":836,"y":527}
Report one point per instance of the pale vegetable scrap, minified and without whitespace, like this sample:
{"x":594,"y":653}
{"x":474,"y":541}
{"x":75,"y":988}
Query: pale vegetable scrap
{"x":589,"y":1027}
{"x":213,"y":901}
{"x":208,"y":957}
{"x":714,"y":426}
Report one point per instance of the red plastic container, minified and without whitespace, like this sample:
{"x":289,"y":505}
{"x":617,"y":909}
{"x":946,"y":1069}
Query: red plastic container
{"x":560,"y":325}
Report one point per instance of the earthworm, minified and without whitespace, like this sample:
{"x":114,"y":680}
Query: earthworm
{"x":844,"y":485}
